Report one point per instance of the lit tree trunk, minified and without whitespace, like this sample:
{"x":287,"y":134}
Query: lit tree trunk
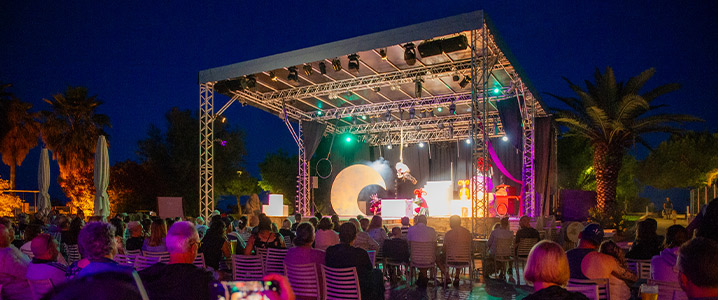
{"x":607,"y":160}
{"x":12,"y":175}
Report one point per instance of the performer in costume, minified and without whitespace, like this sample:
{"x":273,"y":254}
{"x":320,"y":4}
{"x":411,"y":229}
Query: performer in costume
{"x":403,"y":172}
{"x":419,"y":200}
{"x":375,"y":207}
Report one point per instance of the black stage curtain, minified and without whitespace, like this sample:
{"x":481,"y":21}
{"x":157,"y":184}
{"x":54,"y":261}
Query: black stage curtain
{"x":510,"y":114}
{"x":312,"y":135}
{"x":545,"y":163}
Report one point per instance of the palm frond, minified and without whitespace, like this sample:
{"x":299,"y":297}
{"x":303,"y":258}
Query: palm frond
{"x":634,"y":85}
{"x":661,"y":90}
{"x":631,"y":106}
{"x":579,"y":127}
{"x":599,"y":118}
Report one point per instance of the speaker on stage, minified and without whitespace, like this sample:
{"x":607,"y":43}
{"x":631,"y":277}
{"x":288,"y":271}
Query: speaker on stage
{"x":430,"y":48}
{"x":459,"y":42}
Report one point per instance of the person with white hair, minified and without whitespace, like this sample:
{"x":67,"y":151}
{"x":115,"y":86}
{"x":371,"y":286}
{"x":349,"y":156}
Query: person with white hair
{"x":13,"y":265}
{"x":44,"y":264}
{"x":200,"y":227}
{"x":180,"y":279}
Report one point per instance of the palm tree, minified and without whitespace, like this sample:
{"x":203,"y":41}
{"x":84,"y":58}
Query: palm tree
{"x":21,"y":132}
{"x":614,"y":116}
{"x":70,"y":130}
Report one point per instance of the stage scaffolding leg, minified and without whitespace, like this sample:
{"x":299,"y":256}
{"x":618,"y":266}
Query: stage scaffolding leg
{"x":206,"y":150}
{"x":479,"y":110}
{"x":301,"y":201}
{"x":528,"y":154}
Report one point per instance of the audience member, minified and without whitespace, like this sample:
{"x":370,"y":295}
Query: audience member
{"x":697,"y":265}
{"x":587,"y":263}
{"x":31,"y":231}
{"x":69,"y":237}
{"x":286,"y":229}
{"x":457,"y":236}
{"x":264,"y":238}
{"x":344,"y":255}
{"x":525,"y":232}
{"x":376,"y":231}
{"x":318,"y":215}
{"x":119,"y":234}
{"x":302,"y":252}
{"x":364,"y":222}
{"x":44,"y":264}
{"x":314,"y":221}
{"x":663,"y":265}
{"x":500,"y":232}
{"x":180,"y":279}
{"x":232,"y":235}
{"x":363,"y":240}
{"x":156,"y":241}
{"x":405,"y":226}
{"x":169,"y":222}
{"x":13,"y":265}
{"x":647,"y":243}
{"x":215,"y":245}
{"x":618,"y":287}
{"x":201,"y":228}
{"x":395,"y":249}
{"x":707,"y":226}
{"x":136,"y":236}
{"x":325,"y":236}
{"x":297,"y":220}
{"x":421,"y":233}
{"x":547,"y":268}
{"x":107,"y":286}
{"x":335,"y":222}
{"x":97,"y":245}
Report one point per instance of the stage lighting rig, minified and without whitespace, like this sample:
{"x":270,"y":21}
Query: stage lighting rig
{"x":353,"y":63}
{"x":412,"y":112}
{"x":382,"y":53}
{"x":409,"y":54}
{"x":251,"y":81}
{"x":308,"y":70}
{"x":421,"y":144}
{"x":452,"y":108}
{"x":418,"y":86}
{"x":322,"y":68}
{"x":272,"y":76}
{"x":293,"y":76}
{"x":451,"y":131}
{"x":423,"y":113}
{"x":336,"y":64}
{"x":456,"y":77}
{"x":505,"y":138}
{"x":464,"y":82}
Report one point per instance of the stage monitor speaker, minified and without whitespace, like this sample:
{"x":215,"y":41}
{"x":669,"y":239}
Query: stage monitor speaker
{"x":226,"y":86}
{"x":459,"y":42}
{"x":430,"y":48}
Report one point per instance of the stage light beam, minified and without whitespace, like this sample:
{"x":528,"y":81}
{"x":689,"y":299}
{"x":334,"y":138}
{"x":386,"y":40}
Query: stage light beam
{"x":505,"y":138}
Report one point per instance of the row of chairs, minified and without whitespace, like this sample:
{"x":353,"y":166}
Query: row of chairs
{"x":599,"y":289}
{"x":141,"y":262}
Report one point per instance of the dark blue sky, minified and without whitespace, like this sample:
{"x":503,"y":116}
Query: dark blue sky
{"x":142,"y":57}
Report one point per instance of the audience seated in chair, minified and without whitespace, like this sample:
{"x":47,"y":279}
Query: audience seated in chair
{"x":421,"y":233}
{"x":297,"y":221}
{"x":325,"y":235}
{"x":13,"y":265}
{"x":376,"y":231}
{"x":663,"y":265}
{"x":136,"y":236}
{"x":697,"y":265}
{"x":706,"y":222}
{"x":302,"y":253}
{"x":500,"y":232}
{"x":525,"y":232}
{"x":264,"y":238}
{"x":618,"y":287}
{"x":286,"y":231}
{"x":647,"y":243}
{"x":97,"y":244}
{"x":395,"y":249}
{"x":457,"y":236}
{"x":344,"y":255}
{"x":44,"y":264}
{"x":363,"y":240}
{"x":180,"y":279}
{"x":547,"y":268}
{"x":215,"y":245}
{"x":156,"y":241}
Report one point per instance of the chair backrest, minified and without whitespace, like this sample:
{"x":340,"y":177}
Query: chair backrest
{"x":274,"y":262}
{"x":288,"y":242}
{"x":459,"y":252}
{"x":669,"y":290}
{"x":304,"y":280}
{"x":590,"y":290}
{"x":133,"y":252}
{"x":422,"y":254}
{"x":601,"y":283}
{"x":125,"y":260}
{"x":372,"y":256}
{"x":73,"y":253}
{"x":143,"y":262}
{"x":28,"y":253}
{"x":247,"y":267}
{"x":199,"y":261}
{"x":642,"y":267}
{"x":164,"y":256}
{"x":525,"y":246}
{"x":340,"y":283}
{"x":40,"y":288}
{"x":503,"y":247}
{"x":261,"y":252}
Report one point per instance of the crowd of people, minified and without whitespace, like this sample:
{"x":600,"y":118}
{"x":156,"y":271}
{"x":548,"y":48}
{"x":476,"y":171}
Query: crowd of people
{"x":38,"y":249}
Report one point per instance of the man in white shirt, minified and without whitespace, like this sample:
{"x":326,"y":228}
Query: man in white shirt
{"x":13,"y":265}
{"x":44,"y":264}
{"x":421,"y":233}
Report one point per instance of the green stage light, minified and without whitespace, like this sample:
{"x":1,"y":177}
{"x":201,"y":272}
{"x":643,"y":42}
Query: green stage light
{"x":349,"y":139}
{"x":497,"y":90}
{"x":319,"y":113}
{"x":363,"y":117}
{"x":439,"y":109}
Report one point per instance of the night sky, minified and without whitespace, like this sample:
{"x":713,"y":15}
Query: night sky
{"x":143,"y":57}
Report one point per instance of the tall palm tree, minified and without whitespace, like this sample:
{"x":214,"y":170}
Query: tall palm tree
{"x":614,"y":116}
{"x":21,"y":132}
{"x":70,"y":130}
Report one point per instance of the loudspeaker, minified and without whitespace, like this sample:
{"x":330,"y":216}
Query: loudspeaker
{"x":430,"y":48}
{"x":459,"y":42}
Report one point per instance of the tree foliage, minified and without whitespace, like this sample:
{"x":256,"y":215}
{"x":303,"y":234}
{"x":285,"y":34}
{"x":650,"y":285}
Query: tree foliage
{"x":20,"y":134}
{"x":279,"y":175}
{"x":614,"y":116}
{"x":8,"y":202}
{"x":683,"y":161}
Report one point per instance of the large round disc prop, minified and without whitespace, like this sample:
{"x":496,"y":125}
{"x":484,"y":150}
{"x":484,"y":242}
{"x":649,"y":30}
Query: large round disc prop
{"x":347,"y":186}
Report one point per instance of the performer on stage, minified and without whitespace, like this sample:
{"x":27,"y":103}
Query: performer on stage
{"x":402,"y":172}
{"x":419,"y":200}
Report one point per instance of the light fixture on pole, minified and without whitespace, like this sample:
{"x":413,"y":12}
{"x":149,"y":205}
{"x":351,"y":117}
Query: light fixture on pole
{"x":409,"y":54}
{"x":353,"y":63}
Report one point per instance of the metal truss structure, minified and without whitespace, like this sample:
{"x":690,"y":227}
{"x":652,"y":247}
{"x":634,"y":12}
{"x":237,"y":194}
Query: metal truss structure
{"x":382,"y":99}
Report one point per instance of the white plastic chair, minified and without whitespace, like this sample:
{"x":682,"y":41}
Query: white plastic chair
{"x":125,"y":260}
{"x":274,"y":261}
{"x":304,"y":280}
{"x":40,"y":288}
{"x":288,"y":242}
{"x":669,"y":290}
{"x":340,"y":283}
{"x":642,"y":267}
{"x":164,"y":256}
{"x":247,"y":267}
{"x":144,"y":262}
{"x":133,"y":252}
{"x":73,"y":253}
{"x":503,"y":254}
{"x":199,"y":261}
{"x":422,"y":256}
{"x":522,"y":253}
{"x":604,"y":292}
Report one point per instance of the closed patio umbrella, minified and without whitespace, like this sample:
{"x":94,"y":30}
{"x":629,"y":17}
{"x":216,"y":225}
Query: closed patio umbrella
{"x":102,"y":178}
{"x":43,"y":184}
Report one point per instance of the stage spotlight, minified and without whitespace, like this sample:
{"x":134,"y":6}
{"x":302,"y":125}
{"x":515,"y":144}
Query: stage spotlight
{"x":382,"y":53}
{"x":468,"y":141}
{"x":451,"y":131}
{"x":376,"y":89}
{"x":349,"y":139}
{"x":337,"y":65}
{"x":353,"y":63}
{"x":363,"y":117}
{"x":409,"y":54}
{"x":389,"y":146}
{"x":412,"y":113}
{"x":322,"y":68}
{"x":272,"y":76}
{"x":222,"y":119}
{"x":452,"y":108}
{"x":439,"y":109}
{"x":505,"y":138}
{"x":431,"y":113}
{"x":464,"y":82}
{"x":421,"y":144}
{"x":319,"y":113}
{"x":251,"y":81}
{"x":308,"y":70}
{"x":456,"y":77}
{"x":423,"y":113}
{"x":354,"y":120}
{"x":497,"y":91}
{"x":293,"y":76}
{"x":387,"y":116}
{"x":418,"y":86}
